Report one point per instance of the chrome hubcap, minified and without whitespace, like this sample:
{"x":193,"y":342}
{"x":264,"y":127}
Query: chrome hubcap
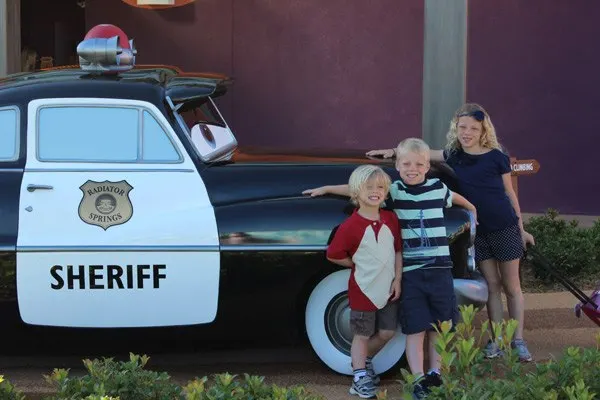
{"x":337,"y":323}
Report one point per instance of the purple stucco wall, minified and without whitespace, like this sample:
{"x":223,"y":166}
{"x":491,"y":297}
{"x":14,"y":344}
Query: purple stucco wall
{"x":341,"y":74}
{"x":535,"y":66}
{"x":308,"y":73}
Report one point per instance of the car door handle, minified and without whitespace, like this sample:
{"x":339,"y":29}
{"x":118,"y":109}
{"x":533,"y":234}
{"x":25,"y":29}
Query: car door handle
{"x":31,"y":188}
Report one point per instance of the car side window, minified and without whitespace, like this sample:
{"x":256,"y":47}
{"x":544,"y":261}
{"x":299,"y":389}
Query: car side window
{"x":102,"y":134}
{"x":9,"y":134}
{"x":156,"y":145}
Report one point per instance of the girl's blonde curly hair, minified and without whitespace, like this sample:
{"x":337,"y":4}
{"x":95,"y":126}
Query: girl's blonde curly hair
{"x":488,"y":135}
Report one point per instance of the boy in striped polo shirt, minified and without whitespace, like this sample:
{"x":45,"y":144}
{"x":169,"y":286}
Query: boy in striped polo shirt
{"x":427,"y":289}
{"x":427,"y":283}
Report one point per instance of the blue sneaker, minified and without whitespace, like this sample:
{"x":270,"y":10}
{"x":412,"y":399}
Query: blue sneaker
{"x":432,"y":379}
{"x":363,"y":387}
{"x":492,"y":350}
{"x":371,"y":372}
{"x":522,"y":351}
{"x":420,"y":390}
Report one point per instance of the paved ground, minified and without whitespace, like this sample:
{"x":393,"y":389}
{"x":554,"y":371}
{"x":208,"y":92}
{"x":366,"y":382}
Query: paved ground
{"x":550,"y":327}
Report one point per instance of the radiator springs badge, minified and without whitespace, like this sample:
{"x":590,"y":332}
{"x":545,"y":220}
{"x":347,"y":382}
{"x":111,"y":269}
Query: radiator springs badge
{"x":105,"y":204}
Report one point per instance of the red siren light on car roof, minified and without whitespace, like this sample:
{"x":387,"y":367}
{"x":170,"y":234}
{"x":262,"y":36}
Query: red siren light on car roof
{"x":106,"y":48}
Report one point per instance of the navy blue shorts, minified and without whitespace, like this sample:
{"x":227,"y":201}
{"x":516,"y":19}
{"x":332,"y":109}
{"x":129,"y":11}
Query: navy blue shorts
{"x":427,"y":298}
{"x":503,"y":245}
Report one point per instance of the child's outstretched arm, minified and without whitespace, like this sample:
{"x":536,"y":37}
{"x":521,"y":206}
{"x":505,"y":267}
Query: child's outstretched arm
{"x":341,"y":190}
{"x":510,"y":192}
{"x":434,"y":155}
{"x":459,"y":200}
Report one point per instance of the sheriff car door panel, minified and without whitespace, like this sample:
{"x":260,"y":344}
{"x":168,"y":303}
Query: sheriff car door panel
{"x":115,"y":226}
{"x":11,"y":174}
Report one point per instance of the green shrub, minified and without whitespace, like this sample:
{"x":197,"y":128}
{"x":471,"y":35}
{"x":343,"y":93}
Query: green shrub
{"x":8,"y":391}
{"x":111,"y":380}
{"x":229,"y":387}
{"x":122,"y":380}
{"x":573,"y":250}
{"x":466,"y":374}
{"x":594,"y":233}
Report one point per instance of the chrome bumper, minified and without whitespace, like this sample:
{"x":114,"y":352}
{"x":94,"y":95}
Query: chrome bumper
{"x":471,"y":291}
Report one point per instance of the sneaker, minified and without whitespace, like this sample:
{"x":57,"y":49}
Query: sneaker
{"x":432,"y":379}
{"x":363,"y":387}
{"x":522,"y":351}
{"x":420,"y":391}
{"x":371,"y":372}
{"x":492,"y":350}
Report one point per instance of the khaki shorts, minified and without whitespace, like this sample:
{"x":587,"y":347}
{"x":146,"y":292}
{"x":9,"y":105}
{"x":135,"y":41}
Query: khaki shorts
{"x":366,"y":323}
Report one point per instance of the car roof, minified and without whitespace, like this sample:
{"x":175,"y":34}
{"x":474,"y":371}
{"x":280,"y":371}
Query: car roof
{"x":143,"y":82}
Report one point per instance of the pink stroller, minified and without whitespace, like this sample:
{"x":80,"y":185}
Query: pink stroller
{"x":589,"y":305}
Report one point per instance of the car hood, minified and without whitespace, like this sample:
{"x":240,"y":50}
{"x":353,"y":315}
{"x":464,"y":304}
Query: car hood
{"x":258,"y":155}
{"x":254,"y":174}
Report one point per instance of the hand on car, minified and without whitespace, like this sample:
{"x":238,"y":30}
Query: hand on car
{"x":320,"y":191}
{"x":395,"y":290}
{"x":386,"y":153}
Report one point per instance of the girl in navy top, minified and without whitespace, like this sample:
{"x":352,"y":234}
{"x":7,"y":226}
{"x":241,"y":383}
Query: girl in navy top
{"x":484,"y":178}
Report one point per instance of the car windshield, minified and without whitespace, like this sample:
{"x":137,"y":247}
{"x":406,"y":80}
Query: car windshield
{"x":200,"y":112}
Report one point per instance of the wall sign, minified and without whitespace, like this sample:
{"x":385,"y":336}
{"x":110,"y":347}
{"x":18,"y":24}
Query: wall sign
{"x":524,"y":167}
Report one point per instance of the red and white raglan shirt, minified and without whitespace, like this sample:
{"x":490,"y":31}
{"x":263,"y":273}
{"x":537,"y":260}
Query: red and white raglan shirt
{"x":372,"y":246}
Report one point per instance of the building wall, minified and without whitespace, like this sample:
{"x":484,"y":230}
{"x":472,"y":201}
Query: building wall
{"x":534,"y":65}
{"x":340,"y":74}
{"x":308,"y":73}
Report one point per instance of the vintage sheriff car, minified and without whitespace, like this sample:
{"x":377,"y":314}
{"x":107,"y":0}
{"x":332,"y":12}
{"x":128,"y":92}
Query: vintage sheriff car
{"x":126,"y":203}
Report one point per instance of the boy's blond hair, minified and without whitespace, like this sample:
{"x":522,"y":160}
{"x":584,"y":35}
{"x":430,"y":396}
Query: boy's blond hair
{"x":361,"y":175}
{"x":412,"y":145}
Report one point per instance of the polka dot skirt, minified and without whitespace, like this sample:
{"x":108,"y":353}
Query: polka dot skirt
{"x":502,"y":245}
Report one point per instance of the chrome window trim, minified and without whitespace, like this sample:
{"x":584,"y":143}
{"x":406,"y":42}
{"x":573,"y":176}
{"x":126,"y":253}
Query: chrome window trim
{"x":12,"y":169}
{"x":287,"y":247}
{"x":92,"y":169}
{"x":139,"y":108}
{"x":167,"y":248}
{"x":108,"y":248}
{"x":17,"y":133}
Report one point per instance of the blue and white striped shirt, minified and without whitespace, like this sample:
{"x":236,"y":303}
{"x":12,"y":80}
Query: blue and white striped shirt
{"x":420,"y":209}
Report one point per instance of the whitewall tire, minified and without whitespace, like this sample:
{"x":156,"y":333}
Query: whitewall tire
{"x":328,"y":327}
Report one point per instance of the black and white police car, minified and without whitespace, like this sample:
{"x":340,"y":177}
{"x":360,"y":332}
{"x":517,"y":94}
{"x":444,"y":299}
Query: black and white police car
{"x":126,"y":203}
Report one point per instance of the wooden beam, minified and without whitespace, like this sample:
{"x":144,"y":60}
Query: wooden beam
{"x":14,"y":36}
{"x":10,"y":37}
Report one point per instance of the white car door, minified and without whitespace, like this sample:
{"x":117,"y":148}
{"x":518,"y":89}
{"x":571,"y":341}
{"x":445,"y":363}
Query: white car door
{"x":115,"y":226}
